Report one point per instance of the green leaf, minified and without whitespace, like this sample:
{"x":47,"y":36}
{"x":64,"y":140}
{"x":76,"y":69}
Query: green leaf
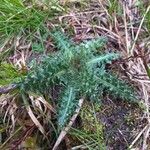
{"x":95,"y":44}
{"x":67,"y":106}
{"x":117,"y":87}
{"x":106,"y":58}
{"x":37,"y":47}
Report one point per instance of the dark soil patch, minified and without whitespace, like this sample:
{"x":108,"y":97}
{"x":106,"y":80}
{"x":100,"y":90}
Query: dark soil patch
{"x":122,"y":123}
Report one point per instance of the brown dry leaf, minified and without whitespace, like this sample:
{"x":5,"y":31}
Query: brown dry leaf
{"x":37,"y":100}
{"x":49,"y":106}
{"x":34,"y":119}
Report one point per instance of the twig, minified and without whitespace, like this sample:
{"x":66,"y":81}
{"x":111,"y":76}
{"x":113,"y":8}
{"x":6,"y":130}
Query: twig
{"x":7,"y":89}
{"x":126,"y":31}
{"x":138,"y":136}
{"x":137,"y":34}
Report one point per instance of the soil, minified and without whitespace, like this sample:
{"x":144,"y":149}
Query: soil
{"x":122,"y":123}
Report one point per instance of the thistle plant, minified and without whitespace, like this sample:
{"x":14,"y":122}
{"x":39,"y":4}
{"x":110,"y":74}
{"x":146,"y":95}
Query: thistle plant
{"x":80,"y":71}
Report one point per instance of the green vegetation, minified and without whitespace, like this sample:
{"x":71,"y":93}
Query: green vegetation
{"x":55,"y":54}
{"x":8,"y":74}
{"x":91,"y":134}
{"x":114,"y":7}
{"x":23,"y":16}
{"x":79,"y":70}
{"x":145,"y":12}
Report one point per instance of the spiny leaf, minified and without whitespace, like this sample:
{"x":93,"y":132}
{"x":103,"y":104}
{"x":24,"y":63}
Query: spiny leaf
{"x":67,"y":106}
{"x":62,"y":42}
{"x":107,"y":58}
{"x":117,"y":87}
{"x":93,"y":45}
